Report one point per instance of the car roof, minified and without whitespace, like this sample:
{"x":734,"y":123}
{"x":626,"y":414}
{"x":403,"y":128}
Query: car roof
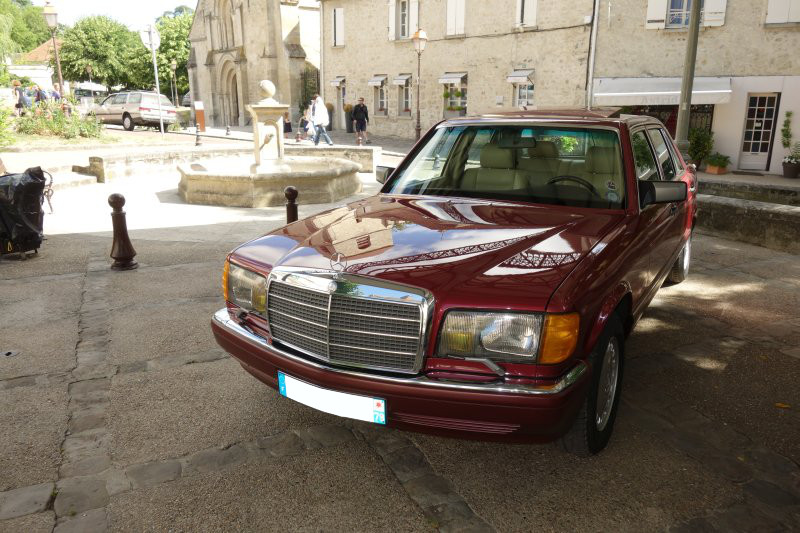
{"x":606,"y":116}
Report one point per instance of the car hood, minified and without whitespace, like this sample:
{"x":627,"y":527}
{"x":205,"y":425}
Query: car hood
{"x":467,"y":252}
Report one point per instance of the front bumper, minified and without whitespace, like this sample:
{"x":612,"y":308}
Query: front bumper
{"x":489,"y":411}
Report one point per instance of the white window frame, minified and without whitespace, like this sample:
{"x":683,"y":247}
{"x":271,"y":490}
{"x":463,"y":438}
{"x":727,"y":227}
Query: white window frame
{"x":682,"y":13}
{"x":405,"y":98}
{"x":783,"y":11}
{"x":381,"y":103}
{"x":453,"y":100}
{"x":403,"y":19}
{"x":519,"y":102}
{"x":338,"y":26}
{"x":525,"y":15}
{"x":455,"y":17}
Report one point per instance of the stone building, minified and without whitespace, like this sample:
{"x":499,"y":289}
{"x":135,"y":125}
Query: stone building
{"x":484,"y":56}
{"x":747,"y":70}
{"x":237,"y":43}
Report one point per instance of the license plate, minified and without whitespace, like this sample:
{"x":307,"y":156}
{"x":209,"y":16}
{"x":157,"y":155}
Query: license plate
{"x":333,"y":402}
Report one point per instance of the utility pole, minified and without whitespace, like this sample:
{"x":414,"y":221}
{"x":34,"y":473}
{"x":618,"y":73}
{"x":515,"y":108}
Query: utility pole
{"x":682,"y":129}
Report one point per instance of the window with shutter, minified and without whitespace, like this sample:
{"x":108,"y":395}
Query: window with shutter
{"x":455,"y":17}
{"x":783,"y":11}
{"x":526,"y":12}
{"x":338,"y":26}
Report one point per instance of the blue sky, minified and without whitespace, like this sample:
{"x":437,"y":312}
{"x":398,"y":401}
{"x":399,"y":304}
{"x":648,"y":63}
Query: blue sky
{"x":136,"y":14}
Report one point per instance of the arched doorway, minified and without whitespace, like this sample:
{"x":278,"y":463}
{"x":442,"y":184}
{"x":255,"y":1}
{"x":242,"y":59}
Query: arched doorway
{"x":229,"y":95}
{"x":233,"y":99}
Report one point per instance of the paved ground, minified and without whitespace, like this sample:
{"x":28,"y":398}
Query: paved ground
{"x":120,"y":412}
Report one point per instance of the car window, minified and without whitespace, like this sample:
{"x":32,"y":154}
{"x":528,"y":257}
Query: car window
{"x":109,"y":100}
{"x":119,"y":99}
{"x":673,"y":150}
{"x":662,"y":154}
{"x":135,"y":98}
{"x":646,"y":168}
{"x":577,"y":166}
{"x":150,"y":98}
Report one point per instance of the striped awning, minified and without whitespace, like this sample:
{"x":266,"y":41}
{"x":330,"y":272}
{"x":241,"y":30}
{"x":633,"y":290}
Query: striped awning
{"x":337,"y":81}
{"x":401,"y":79}
{"x":452,"y":77}
{"x":520,"y":76}
{"x":377,"y":81}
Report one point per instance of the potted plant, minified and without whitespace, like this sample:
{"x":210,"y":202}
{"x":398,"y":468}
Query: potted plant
{"x":329,"y":107}
{"x":701,"y":141}
{"x":446,"y":95}
{"x":717,"y":163}
{"x":791,"y":163}
{"x":348,"y":117}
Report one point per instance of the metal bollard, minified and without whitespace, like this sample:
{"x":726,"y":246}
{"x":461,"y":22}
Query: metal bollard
{"x":197,"y":134}
{"x":122,"y":251}
{"x":291,"y":204}
{"x":227,"y":130}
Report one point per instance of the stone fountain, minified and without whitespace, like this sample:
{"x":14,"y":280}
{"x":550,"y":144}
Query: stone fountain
{"x":237,"y":182}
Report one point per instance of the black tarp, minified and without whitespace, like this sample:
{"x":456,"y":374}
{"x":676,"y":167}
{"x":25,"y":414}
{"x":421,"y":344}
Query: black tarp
{"x":21,"y":214}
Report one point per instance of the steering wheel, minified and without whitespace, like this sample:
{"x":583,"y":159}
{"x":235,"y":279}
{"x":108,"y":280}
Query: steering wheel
{"x":576,"y":179}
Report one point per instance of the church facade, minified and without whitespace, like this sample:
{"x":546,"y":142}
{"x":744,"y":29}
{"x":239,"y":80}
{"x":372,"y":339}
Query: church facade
{"x":237,"y":43}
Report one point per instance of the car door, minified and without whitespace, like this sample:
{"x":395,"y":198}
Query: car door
{"x":103,"y":111}
{"x":680,"y":212}
{"x":654,"y":219}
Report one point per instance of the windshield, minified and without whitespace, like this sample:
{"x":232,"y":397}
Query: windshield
{"x":576,"y":166}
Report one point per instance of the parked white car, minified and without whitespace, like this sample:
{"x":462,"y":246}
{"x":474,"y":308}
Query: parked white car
{"x":137,"y":108}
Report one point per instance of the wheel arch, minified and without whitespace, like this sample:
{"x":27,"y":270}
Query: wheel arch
{"x":620,"y":302}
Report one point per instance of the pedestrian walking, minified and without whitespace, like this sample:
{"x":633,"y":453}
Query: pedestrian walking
{"x":319,"y":116}
{"x":39,"y":94}
{"x":287,"y":126}
{"x":361,"y":119}
{"x":20,"y":100}
{"x":56,"y":94}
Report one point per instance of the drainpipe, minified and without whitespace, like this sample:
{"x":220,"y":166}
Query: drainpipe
{"x":322,"y":49}
{"x":592,"y":53}
{"x":682,"y":129}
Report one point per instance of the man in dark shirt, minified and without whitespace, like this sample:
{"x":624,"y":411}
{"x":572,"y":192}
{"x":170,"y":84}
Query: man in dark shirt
{"x":361,"y":118}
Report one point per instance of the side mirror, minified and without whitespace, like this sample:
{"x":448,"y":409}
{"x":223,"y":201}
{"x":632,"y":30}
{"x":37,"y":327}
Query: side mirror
{"x":382,"y":173}
{"x":661,"y":192}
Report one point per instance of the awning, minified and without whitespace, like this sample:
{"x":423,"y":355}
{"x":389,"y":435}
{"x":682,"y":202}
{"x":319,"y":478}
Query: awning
{"x":659,"y":91}
{"x":337,"y":81}
{"x":520,"y":76}
{"x":377,"y":81}
{"x":402,"y":79}
{"x":452,"y":77}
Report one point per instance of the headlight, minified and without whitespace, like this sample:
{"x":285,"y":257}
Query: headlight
{"x":246,"y":289}
{"x":511,"y":337}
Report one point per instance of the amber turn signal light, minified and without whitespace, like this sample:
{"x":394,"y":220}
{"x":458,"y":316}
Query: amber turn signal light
{"x":225,"y":273}
{"x":560,"y":337}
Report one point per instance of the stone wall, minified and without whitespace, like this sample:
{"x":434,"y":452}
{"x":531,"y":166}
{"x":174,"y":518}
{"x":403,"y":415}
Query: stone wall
{"x":489,"y":50}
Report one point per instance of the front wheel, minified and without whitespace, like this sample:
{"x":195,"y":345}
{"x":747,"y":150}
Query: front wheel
{"x":127,"y":122}
{"x":594,"y":424}
{"x":680,"y":270}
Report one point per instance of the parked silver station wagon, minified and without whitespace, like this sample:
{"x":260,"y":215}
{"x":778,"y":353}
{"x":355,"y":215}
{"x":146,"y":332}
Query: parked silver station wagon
{"x":137,"y":108}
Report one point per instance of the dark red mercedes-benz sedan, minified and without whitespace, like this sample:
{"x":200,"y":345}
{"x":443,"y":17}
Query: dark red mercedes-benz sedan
{"x":486,"y":291}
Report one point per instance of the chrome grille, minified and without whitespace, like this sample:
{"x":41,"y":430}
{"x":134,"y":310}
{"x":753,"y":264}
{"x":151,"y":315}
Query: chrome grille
{"x":344,"y":328}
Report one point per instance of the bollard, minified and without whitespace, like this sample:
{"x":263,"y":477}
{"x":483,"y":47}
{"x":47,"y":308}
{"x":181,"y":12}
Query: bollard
{"x":197,"y":134}
{"x":227,"y":130}
{"x":122,"y":251}
{"x":358,"y":141}
{"x":291,"y":204}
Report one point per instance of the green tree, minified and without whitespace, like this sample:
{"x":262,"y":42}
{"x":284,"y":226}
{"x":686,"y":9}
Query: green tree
{"x":174,"y":32}
{"x":28,"y":28}
{"x":99,"y":42}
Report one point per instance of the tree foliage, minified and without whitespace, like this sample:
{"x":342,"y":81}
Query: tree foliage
{"x":28,"y":28}
{"x":174,"y":32}
{"x":101,"y":43}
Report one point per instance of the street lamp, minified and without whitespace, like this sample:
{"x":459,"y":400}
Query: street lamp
{"x":91,"y":88}
{"x":173,"y":66}
{"x":420,"y":39}
{"x":51,"y":18}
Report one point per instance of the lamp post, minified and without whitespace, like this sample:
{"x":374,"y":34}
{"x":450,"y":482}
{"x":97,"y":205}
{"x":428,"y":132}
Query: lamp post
{"x":682,"y":128}
{"x":91,"y":88}
{"x":51,"y":18}
{"x":420,"y":39}
{"x":174,"y":65}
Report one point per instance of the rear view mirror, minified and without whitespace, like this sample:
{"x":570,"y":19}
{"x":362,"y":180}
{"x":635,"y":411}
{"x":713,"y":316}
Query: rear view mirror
{"x":661,"y":192}
{"x":382,"y":173}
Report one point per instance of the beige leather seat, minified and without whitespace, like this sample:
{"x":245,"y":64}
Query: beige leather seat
{"x":497,"y":172}
{"x":542,"y":163}
{"x":602,"y":169}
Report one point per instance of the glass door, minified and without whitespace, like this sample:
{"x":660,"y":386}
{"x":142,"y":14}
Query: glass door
{"x":759,"y":130}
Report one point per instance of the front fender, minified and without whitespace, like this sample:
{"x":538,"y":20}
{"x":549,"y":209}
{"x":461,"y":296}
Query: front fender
{"x":610,"y":304}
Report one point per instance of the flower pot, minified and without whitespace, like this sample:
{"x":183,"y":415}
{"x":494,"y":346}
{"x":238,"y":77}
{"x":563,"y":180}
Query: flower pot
{"x":713,"y":169}
{"x":791,"y":170}
{"x":452,"y":113}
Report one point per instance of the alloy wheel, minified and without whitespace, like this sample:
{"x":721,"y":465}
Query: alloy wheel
{"x":607,"y":385}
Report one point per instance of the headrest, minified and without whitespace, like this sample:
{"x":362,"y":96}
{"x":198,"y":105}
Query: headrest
{"x":493,"y":156}
{"x":546,"y":149}
{"x":602,"y":160}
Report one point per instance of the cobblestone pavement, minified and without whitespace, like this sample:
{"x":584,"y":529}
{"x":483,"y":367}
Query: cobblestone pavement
{"x":119,"y":412}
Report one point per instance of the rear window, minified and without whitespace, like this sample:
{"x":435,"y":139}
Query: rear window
{"x":576,"y":166}
{"x":150,"y":98}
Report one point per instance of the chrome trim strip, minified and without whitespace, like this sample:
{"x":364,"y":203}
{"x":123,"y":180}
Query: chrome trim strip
{"x":369,"y":349}
{"x":299,"y":335}
{"x":289,"y":300}
{"x":298,"y":318}
{"x":394,"y":336}
{"x":396,"y":319}
{"x":222,"y":319}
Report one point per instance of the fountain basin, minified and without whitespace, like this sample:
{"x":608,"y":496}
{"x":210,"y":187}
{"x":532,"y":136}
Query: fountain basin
{"x":233,"y":182}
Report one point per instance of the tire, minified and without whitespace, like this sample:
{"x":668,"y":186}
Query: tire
{"x":594,"y":424}
{"x":127,"y":122}
{"x":680,"y":270}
